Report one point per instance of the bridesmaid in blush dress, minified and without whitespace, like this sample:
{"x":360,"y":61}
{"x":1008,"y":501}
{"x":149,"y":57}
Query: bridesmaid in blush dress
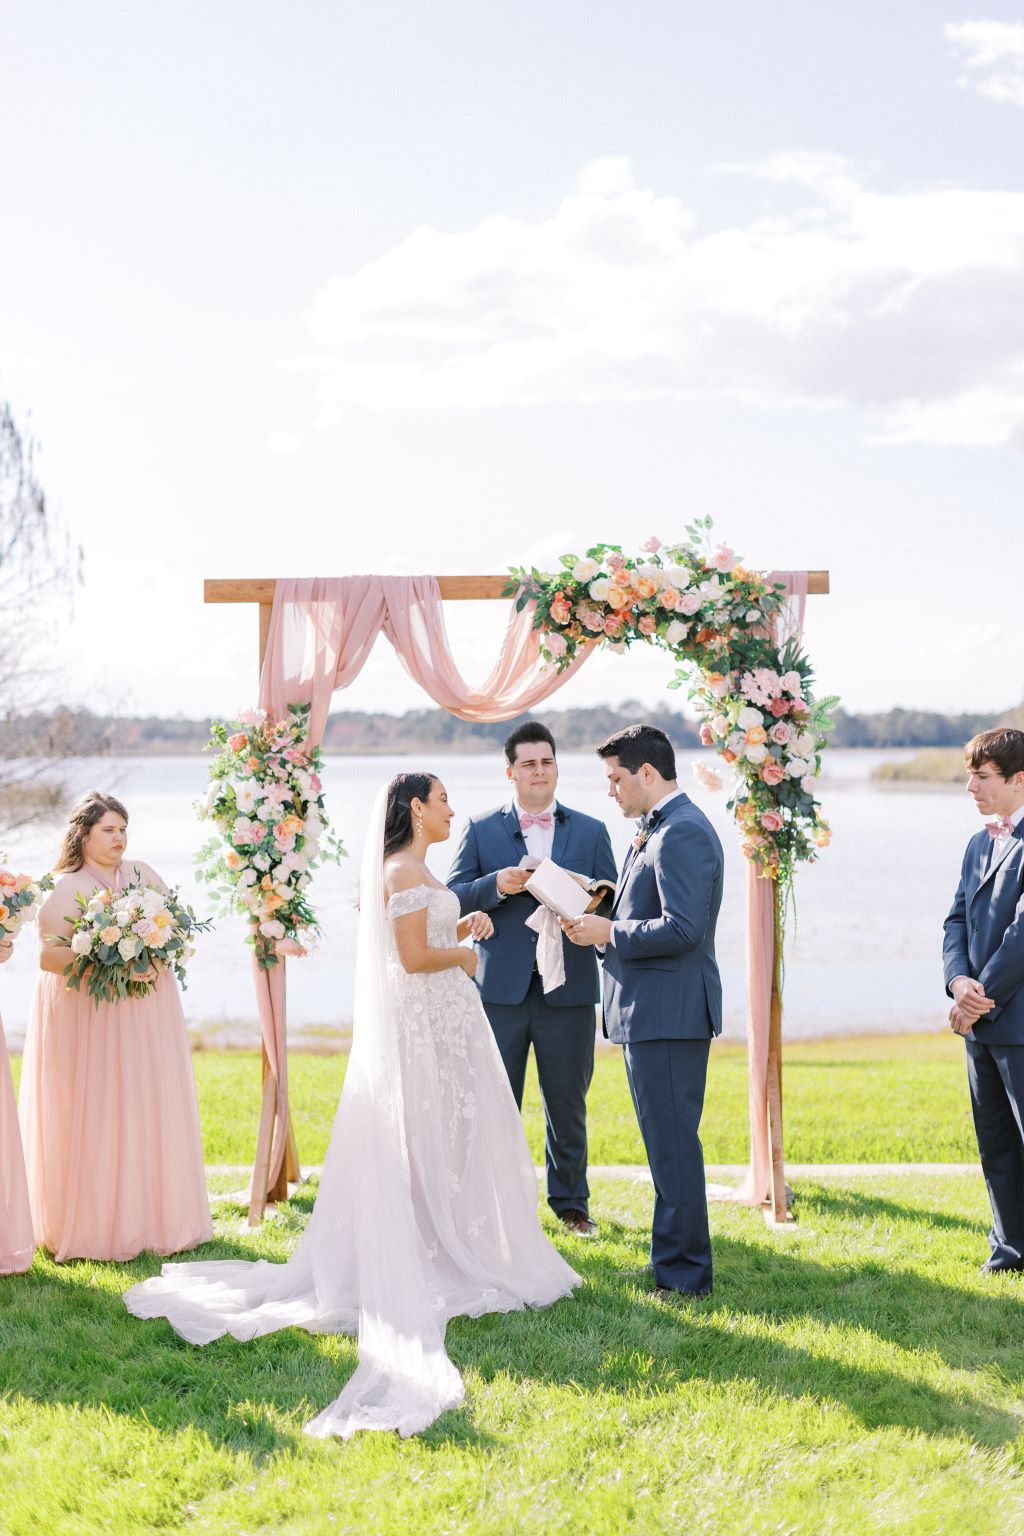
{"x":17,"y":1245}
{"x":109,"y":1116}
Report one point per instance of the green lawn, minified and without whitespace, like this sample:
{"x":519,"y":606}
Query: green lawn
{"x":888,"y":1099}
{"x":854,"y":1375}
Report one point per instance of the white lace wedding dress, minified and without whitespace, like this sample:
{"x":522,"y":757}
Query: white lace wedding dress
{"x":427,"y":1207}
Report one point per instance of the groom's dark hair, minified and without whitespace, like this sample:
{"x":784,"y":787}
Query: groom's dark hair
{"x":1003,"y":747}
{"x":530,"y":730}
{"x":639,"y":744}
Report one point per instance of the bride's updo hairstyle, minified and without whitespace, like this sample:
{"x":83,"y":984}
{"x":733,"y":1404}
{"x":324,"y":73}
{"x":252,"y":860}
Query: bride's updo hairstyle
{"x":89,"y":810}
{"x":402,"y":791}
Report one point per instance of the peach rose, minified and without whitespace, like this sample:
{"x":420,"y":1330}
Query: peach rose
{"x":290,"y":947}
{"x":706,"y":736}
{"x":645,"y":586}
{"x":617,"y":597}
{"x":773,"y":772}
{"x":238,"y":742}
{"x":648,"y":625}
{"x":755,"y":736}
{"x":771,"y":821}
{"x":668,"y":599}
{"x":613,"y":624}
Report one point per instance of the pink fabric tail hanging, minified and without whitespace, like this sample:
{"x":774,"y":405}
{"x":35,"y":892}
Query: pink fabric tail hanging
{"x":321,"y":632}
{"x":756,"y":1186}
{"x":17,"y":1244}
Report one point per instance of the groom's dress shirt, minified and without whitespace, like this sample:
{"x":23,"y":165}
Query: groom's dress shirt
{"x":538,"y":840}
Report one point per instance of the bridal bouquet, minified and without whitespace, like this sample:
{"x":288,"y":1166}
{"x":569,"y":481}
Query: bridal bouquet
{"x":266,"y":799}
{"x":716,"y":618}
{"x":121,"y":937}
{"x":20,"y":899}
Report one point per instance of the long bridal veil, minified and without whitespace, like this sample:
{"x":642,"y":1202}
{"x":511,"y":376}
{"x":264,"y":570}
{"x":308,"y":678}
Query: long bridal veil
{"x":359,"y":1266}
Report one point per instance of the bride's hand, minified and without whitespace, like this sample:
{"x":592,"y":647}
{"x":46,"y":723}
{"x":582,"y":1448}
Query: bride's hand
{"x":476,"y":925}
{"x":468,"y":961}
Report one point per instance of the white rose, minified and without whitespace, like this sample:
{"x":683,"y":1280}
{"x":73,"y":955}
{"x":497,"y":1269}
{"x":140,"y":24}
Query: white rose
{"x":127,"y":946}
{"x":803,"y":745}
{"x":261,"y":861}
{"x":303,"y":881}
{"x":81,"y":944}
{"x":755,"y":755}
{"x":585,"y":570}
{"x":753,"y":615}
{"x":798,"y":766}
{"x":677,"y":632}
{"x":810,"y":783}
{"x":246,"y":795}
{"x":268,"y":812}
{"x":736,"y":742}
{"x":710,"y":590}
{"x":720,"y":725}
{"x":679,"y":576}
{"x":248,"y":877}
{"x":122,"y":919}
{"x":749,"y":718}
{"x":599,"y":589}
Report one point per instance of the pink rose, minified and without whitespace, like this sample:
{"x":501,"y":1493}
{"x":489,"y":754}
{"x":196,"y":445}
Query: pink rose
{"x":780,"y":733}
{"x":771,"y":821}
{"x":688,"y":603}
{"x":592,"y":620}
{"x":272,"y":929}
{"x":616,"y":562}
{"x":314,"y":783}
{"x":773,"y":772}
{"x":651,"y":546}
{"x":648,"y":625}
{"x":613,"y":624}
{"x":707,"y":738}
{"x":779,"y":707}
{"x":555,"y":645}
{"x":238,"y":742}
{"x":723,"y":558}
{"x":289,"y":947}
{"x":790,"y":682}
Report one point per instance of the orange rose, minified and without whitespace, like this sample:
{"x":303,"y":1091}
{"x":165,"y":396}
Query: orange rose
{"x":4,"y":912}
{"x":729,"y":757}
{"x":755,"y":736}
{"x":617,"y":597}
{"x":645,"y":587}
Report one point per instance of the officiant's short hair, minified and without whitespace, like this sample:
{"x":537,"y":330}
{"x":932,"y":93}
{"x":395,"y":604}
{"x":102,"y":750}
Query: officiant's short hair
{"x":1004,"y":747}
{"x":529,"y":731}
{"x":639,"y":744}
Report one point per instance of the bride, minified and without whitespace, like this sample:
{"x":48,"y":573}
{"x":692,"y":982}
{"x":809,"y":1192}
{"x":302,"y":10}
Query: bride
{"x":427,"y":1207}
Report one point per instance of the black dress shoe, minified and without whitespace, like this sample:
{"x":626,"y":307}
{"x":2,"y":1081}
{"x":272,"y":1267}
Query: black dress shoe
{"x":667,"y":1293}
{"x":578,"y":1223}
{"x":1001,"y":1266}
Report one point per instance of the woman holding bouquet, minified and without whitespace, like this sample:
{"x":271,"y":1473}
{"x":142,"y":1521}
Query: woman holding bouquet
{"x":108,"y":1104}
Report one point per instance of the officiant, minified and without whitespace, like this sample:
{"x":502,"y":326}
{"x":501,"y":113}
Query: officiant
{"x":493,"y":862}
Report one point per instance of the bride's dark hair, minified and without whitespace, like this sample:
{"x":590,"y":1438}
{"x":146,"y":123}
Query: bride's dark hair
{"x":403,"y":789}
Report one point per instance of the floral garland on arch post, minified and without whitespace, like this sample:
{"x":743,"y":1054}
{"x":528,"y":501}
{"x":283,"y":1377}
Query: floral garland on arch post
{"x":754,"y":696}
{"x":265,"y":798}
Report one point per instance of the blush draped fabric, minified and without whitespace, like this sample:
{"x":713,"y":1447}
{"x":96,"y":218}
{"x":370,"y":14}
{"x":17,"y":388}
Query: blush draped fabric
{"x":756,"y":1187}
{"x":321,"y":632}
{"x":17,"y":1244}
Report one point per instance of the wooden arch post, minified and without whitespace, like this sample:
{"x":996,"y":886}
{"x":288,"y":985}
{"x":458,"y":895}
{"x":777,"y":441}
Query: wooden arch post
{"x":260,"y":590}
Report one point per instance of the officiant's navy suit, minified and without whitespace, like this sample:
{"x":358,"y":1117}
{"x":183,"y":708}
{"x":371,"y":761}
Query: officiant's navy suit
{"x":984,"y":938}
{"x":663,"y":1004}
{"x":560,"y":1024}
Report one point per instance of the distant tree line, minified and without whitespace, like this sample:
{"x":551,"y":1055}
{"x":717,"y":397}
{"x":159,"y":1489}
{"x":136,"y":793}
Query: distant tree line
{"x":355,"y":733}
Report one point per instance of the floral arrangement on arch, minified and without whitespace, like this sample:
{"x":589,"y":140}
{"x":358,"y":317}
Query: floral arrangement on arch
{"x":715,"y":617}
{"x":265,"y":798}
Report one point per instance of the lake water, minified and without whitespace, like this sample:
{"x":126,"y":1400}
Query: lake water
{"x":864,"y":954}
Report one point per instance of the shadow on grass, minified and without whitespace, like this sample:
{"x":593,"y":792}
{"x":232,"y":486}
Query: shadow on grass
{"x":860,"y":1206}
{"x":64,"y":1339}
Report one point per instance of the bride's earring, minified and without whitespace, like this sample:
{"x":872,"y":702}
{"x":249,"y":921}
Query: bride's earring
{"x":419,"y":824}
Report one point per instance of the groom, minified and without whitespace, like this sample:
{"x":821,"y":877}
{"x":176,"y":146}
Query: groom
{"x":487,"y":876}
{"x":662,"y":991}
{"x":983,"y":960}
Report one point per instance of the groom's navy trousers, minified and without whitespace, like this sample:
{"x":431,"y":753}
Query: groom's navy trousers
{"x":663,"y":1004}
{"x":559,"y":1024}
{"x":984,"y":939}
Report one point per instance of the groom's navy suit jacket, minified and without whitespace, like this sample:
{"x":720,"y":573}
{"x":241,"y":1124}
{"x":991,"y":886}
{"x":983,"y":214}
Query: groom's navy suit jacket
{"x":661,"y":979}
{"x":985,"y":934}
{"x":495,"y":841}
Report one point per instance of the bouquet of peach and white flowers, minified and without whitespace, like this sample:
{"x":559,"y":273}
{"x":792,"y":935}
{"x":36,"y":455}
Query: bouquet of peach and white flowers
{"x":20,"y":900}
{"x":124,"y":939}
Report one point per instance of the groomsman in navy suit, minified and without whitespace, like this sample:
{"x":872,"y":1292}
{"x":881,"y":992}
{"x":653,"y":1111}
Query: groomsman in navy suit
{"x":487,"y":877}
{"x":983,"y":961}
{"x":662,"y":990}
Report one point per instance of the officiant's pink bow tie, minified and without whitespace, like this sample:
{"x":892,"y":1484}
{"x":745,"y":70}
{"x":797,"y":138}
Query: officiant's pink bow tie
{"x":545,"y":819}
{"x":997,"y":828}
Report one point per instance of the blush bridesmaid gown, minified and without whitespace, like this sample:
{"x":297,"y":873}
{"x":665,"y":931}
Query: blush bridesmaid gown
{"x":17,"y":1244}
{"x":109,"y":1117}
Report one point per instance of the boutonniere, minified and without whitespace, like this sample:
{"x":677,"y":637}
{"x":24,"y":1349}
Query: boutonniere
{"x":643,"y":833}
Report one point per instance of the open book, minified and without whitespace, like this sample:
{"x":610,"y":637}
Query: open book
{"x":567,"y":894}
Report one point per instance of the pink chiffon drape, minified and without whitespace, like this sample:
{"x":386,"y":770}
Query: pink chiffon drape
{"x":321,"y":632}
{"x":17,"y":1244}
{"x":757,"y":1185}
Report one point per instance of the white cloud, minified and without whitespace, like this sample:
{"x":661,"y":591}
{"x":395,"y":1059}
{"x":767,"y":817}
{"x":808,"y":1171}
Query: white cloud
{"x":903,"y":304}
{"x":993,"y":52}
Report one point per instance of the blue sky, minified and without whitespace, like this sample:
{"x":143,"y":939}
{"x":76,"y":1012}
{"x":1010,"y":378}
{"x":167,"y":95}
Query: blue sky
{"x":296,"y":290}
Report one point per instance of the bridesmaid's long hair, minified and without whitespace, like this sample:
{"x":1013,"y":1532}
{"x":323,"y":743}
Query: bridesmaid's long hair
{"x":403,"y":789}
{"x":84,"y":816}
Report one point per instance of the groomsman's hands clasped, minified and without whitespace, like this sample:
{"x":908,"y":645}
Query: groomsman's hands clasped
{"x":969,"y":1004}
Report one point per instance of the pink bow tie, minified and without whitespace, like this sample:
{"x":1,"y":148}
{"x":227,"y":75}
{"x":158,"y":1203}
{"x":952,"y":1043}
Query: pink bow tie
{"x":998,"y":828}
{"x":545,"y":819}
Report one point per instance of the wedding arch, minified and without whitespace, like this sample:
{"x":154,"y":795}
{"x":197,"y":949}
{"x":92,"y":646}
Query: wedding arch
{"x":724,"y":625}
